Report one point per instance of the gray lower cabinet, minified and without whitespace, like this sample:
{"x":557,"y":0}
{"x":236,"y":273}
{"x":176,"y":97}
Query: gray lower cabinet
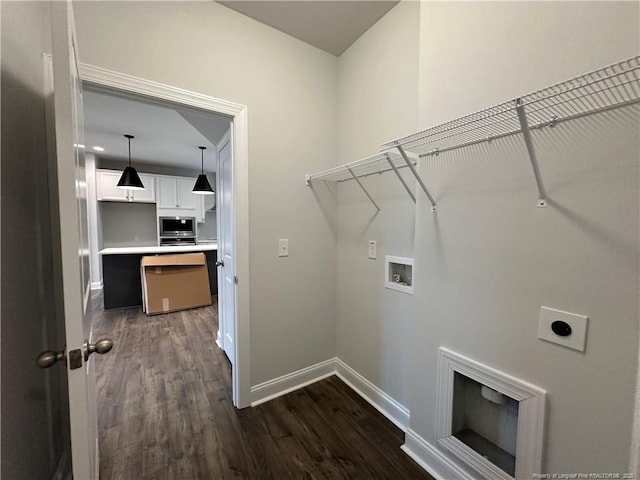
{"x":122,"y":286}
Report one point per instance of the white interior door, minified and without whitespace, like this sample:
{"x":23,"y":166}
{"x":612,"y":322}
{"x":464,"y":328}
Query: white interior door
{"x":69,"y":213}
{"x":226,"y":272}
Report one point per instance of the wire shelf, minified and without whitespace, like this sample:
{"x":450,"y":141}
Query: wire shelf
{"x":610,"y":87}
{"x":614,"y":86}
{"x":373,"y":165}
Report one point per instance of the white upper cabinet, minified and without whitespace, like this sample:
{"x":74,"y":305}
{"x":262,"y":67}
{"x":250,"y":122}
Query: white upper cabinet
{"x":167,"y":192}
{"x":107,"y":188}
{"x":175,"y":192}
{"x":186,"y":198}
{"x":149,"y":192}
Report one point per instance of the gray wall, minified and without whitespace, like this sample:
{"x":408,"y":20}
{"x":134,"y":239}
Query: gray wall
{"x":208,"y":229}
{"x":487,"y":261}
{"x":291,"y":93}
{"x":128,"y":224}
{"x":34,"y":416}
{"x":378,"y":98}
{"x":489,"y":258}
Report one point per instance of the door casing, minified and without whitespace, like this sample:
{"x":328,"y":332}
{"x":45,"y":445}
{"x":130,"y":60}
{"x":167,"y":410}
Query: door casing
{"x":110,"y":80}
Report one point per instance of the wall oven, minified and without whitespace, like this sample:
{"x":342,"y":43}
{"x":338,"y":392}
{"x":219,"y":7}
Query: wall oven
{"x":177,"y":230}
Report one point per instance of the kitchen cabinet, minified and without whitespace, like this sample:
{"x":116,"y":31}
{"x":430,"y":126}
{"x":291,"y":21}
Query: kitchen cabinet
{"x":175,"y":192}
{"x":121,"y":272}
{"x":107,"y":188}
{"x":175,"y":197}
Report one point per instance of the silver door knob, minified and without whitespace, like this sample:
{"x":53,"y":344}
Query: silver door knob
{"x":101,"y":347}
{"x":49,"y":358}
{"x":219,"y":263}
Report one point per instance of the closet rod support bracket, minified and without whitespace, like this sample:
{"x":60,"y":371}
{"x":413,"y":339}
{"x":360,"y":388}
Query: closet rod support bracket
{"x":307,"y":180}
{"x":526,"y":134}
{"x":404,"y":184}
{"x":355,"y":177}
{"x":417,"y":177}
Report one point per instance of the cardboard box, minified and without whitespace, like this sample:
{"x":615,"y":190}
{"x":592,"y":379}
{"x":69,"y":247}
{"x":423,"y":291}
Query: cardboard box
{"x":174,"y":282}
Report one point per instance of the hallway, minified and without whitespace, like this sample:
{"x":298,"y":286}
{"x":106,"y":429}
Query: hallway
{"x":165,"y":412}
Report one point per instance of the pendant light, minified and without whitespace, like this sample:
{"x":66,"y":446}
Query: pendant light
{"x":130,"y":179}
{"x":202,"y":186}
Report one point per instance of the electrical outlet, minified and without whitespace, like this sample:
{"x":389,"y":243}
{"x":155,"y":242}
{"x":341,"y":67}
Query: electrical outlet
{"x":373,"y":254}
{"x":283,"y":247}
{"x":564,"y":328}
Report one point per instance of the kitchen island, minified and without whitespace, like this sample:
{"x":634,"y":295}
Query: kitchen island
{"x":121,"y":271}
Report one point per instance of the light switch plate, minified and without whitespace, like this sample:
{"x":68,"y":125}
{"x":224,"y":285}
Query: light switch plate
{"x":373,"y":253}
{"x":576,"y":340}
{"x":283,"y":247}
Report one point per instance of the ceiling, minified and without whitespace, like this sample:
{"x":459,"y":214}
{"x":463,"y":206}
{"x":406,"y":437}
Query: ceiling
{"x":164,"y":135}
{"x":170,"y":135}
{"x":329,"y":25}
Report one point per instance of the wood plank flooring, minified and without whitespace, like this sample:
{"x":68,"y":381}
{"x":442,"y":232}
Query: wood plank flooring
{"x":165,"y":412}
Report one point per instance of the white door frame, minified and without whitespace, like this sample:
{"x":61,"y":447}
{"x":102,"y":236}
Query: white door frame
{"x":241,"y":371}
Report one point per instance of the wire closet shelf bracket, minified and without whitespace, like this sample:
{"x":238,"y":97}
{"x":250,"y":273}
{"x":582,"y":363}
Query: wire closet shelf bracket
{"x":607,"y":88}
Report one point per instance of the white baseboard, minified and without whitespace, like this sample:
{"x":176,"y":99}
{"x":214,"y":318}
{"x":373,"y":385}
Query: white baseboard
{"x":425,"y":454}
{"x":380,"y":400}
{"x":431,"y":459}
{"x":263,"y":392}
{"x":96,"y":285}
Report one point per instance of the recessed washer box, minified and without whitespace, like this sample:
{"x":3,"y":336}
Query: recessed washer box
{"x":398,"y":274}
{"x":564,"y":328}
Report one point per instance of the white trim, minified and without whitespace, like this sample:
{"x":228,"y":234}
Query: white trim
{"x":290,"y":382}
{"x":96,"y":285}
{"x":101,"y":77}
{"x":431,"y":459}
{"x":380,"y":400}
{"x":397,"y":413}
{"x":531,"y":414}
{"x":219,"y":340}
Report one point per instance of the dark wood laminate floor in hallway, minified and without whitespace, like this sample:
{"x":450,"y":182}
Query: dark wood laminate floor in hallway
{"x":165,"y":412}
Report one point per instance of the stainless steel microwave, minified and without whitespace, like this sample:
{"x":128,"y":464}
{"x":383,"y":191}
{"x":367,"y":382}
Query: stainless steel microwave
{"x":177,"y":226}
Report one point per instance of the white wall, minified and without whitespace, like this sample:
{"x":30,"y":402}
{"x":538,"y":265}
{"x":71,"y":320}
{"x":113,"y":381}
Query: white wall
{"x":378,"y":98}
{"x":489,"y":259}
{"x":290,"y":90}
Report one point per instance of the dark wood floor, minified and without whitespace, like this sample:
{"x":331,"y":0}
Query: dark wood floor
{"x":165,"y":412}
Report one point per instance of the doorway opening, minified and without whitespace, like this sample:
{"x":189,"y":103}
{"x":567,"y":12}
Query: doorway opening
{"x":198,"y":106}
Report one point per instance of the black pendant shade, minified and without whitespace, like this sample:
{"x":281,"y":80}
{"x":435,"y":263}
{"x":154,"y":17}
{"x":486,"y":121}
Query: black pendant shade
{"x":130,"y":178}
{"x":202,"y":186}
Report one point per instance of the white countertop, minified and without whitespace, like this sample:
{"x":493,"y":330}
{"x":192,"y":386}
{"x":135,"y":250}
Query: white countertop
{"x":166,"y":249}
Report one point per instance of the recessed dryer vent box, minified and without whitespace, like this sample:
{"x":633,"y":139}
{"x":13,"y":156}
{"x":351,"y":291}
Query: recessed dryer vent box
{"x":398,"y":274}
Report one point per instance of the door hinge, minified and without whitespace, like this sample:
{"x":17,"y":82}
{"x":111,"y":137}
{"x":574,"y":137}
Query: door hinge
{"x":235,"y":279}
{"x":75,"y":359}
